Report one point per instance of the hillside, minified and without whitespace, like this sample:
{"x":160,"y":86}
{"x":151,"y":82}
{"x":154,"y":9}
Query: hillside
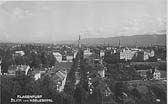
{"x":142,"y":40}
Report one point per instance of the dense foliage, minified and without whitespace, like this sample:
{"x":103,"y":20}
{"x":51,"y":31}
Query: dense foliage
{"x":11,"y":87}
{"x":35,"y":56}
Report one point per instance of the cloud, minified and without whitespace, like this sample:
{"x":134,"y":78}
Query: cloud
{"x":40,"y":20}
{"x":2,"y":2}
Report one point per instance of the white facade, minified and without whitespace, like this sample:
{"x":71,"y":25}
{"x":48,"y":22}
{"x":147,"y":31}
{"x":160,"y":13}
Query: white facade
{"x":102,"y":73}
{"x":156,"y":75}
{"x":127,"y":54}
{"x":61,"y":88}
{"x":24,"y":68}
{"x":75,"y":53}
{"x":21,"y":53}
{"x":146,"y":56}
{"x":102,"y":53}
{"x":58,"y":56}
{"x":87,"y":53}
{"x":37,"y":76}
{"x":69,"y":58}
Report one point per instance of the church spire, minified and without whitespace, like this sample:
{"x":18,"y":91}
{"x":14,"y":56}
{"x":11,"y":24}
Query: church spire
{"x":79,"y":42}
{"x":119,"y":44}
{"x":136,"y":44}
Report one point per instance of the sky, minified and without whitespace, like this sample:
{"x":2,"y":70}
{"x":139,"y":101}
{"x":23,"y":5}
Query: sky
{"x":49,"y":21}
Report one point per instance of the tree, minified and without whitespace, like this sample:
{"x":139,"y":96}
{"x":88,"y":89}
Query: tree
{"x":119,"y":88}
{"x":4,"y":66}
{"x":135,"y":93}
{"x":19,"y":60}
{"x":80,"y":95}
{"x":44,"y":59}
{"x":36,"y":62}
{"x":52,"y":60}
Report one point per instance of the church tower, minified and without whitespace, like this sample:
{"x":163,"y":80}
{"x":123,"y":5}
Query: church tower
{"x":79,"y":43}
{"x":119,"y":45}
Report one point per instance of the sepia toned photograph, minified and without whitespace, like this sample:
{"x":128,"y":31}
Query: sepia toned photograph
{"x":83,"y":52}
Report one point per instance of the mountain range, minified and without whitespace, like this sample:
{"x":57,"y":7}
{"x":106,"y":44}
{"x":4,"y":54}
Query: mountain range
{"x":139,"y":40}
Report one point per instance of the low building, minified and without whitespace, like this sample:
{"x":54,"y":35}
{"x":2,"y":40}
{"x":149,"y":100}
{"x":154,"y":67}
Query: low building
{"x":142,"y":73}
{"x":74,"y":54}
{"x":87,"y":53}
{"x":19,"y":53}
{"x":60,"y":79}
{"x":67,"y":58}
{"x":58,"y":56}
{"x":102,"y":53}
{"x":38,"y":74}
{"x":127,"y":55}
{"x":156,"y":75}
{"x":22,"y":70}
{"x":144,"y":55}
{"x":12,"y":70}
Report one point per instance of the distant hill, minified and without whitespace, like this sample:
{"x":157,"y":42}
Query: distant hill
{"x":141,"y":40}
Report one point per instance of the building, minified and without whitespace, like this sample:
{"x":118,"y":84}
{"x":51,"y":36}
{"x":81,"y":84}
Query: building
{"x":102,"y":53}
{"x":156,"y":75}
{"x":69,"y":58}
{"x":101,"y":70}
{"x":22,"y":70}
{"x":12,"y":70}
{"x":127,"y":55}
{"x":142,"y":73}
{"x":38,"y":74}
{"x":74,"y":54}
{"x":144,"y":55}
{"x":87,"y":53}
{"x":19,"y":53}
{"x":60,"y":79}
{"x":0,"y":66}
{"x":58,"y":56}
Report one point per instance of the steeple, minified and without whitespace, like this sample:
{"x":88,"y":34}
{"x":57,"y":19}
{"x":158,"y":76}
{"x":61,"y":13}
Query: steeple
{"x":119,"y":44}
{"x":136,"y":44}
{"x":79,"y":42}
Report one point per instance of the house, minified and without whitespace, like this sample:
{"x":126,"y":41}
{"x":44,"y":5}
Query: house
{"x":156,"y":75}
{"x":101,"y":70}
{"x":74,"y":54}
{"x":64,"y":56}
{"x":22,"y":70}
{"x":19,"y":53}
{"x":87,"y":53}
{"x":18,"y":70}
{"x":142,"y":73}
{"x":58,"y":56}
{"x":159,"y":74}
{"x":12,"y":70}
{"x":38,"y":74}
{"x":94,"y":59}
{"x":102,"y":53}
{"x":127,"y":54}
{"x":69,"y":58}
{"x":60,"y":79}
{"x":144,"y":55}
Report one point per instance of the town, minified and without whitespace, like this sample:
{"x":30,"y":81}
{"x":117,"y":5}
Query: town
{"x":83,"y":74}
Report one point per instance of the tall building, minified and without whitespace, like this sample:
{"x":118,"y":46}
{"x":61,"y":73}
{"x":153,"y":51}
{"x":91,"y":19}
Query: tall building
{"x":79,"y":43}
{"x":0,"y":65}
{"x":119,"y":45}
